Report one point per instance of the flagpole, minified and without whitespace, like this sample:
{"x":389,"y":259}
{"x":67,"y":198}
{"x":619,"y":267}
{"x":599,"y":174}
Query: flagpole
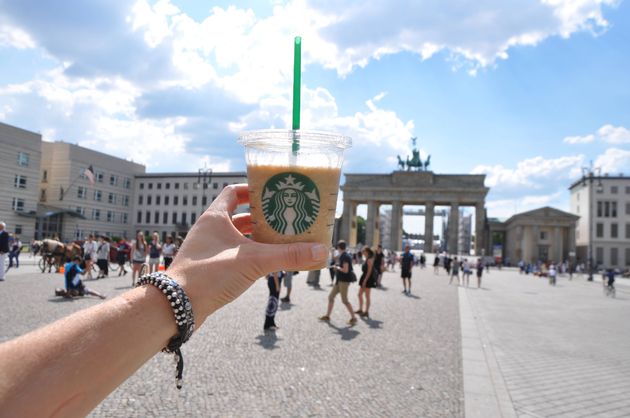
{"x":62,"y":192}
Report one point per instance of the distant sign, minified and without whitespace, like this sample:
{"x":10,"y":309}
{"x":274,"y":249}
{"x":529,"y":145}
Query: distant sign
{"x":497,"y":250}
{"x":571,"y":253}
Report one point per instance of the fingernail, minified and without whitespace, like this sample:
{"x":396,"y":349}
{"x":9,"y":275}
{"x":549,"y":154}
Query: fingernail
{"x":319,"y":252}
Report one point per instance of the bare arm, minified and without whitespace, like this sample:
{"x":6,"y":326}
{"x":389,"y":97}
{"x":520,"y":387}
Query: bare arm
{"x":66,"y":368}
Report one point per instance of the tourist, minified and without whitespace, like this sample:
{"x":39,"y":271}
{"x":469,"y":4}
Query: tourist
{"x":288,"y":283}
{"x":447,"y":264}
{"x":454,"y":271}
{"x":122,"y":255}
{"x":345,"y":276}
{"x":379,"y":265}
{"x":14,"y":251}
{"x":406,"y":264}
{"x":391,"y":261}
{"x":74,"y":285}
{"x":274,"y":281}
{"x":169,"y":249}
{"x":553,"y":273}
{"x":138,"y":256}
{"x":436,"y":264}
{"x":479,"y":272}
{"x":102,"y":257}
{"x":66,"y":368}
{"x":423,"y":261}
{"x":155,"y":251}
{"x":4,"y":248}
{"x":89,"y":254}
{"x":334,"y":258}
{"x":467,"y":272}
{"x":369,"y":278}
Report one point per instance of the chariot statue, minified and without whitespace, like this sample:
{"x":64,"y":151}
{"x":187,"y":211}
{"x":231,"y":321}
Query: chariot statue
{"x":415,"y":163}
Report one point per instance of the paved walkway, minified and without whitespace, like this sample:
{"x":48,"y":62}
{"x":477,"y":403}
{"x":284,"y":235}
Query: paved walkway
{"x":559,"y":351}
{"x":403,"y":362}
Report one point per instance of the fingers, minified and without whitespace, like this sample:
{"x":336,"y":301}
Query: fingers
{"x":243,"y":222}
{"x":297,"y":256}
{"x":230,"y":197}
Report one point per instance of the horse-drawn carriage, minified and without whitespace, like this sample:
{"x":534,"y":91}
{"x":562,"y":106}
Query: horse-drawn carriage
{"x":55,"y":253}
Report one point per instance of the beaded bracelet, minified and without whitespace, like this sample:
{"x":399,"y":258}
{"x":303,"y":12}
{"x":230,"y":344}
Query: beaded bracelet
{"x":182,"y":309}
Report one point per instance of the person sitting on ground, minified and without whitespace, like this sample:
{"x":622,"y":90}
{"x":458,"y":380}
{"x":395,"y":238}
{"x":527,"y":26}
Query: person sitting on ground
{"x":74,"y":285}
{"x":103,"y":345}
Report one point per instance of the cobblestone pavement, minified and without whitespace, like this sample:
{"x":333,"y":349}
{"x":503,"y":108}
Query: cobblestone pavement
{"x":563,"y":351}
{"x":403,"y":362}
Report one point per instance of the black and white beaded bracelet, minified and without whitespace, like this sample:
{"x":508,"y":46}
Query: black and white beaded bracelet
{"x":182,"y":310}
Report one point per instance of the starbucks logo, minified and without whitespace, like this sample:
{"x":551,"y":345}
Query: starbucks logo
{"x":290,"y":203}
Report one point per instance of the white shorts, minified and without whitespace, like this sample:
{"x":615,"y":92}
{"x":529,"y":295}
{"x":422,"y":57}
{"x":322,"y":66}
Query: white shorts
{"x":154,"y":260}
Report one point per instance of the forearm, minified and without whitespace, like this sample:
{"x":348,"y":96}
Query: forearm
{"x":68,"y":367}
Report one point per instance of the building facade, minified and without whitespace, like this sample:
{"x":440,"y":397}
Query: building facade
{"x":465,"y":233}
{"x":20,"y":158}
{"x":170,"y":203}
{"x":603,"y":205}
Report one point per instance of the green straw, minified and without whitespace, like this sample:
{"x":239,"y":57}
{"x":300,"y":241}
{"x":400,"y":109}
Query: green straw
{"x":297,"y":77}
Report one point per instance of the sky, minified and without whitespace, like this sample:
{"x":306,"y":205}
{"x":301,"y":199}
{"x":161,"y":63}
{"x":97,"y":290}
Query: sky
{"x":527,"y":92}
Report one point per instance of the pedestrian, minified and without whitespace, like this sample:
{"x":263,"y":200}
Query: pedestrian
{"x":169,"y":249}
{"x":406,"y":264}
{"x":436,"y":264}
{"x":552,"y":274}
{"x":14,"y":251}
{"x":454,"y":271}
{"x":122,"y":256}
{"x":467,"y":271}
{"x":95,"y":350}
{"x":138,"y":256}
{"x":379,"y":265}
{"x":334,"y":258}
{"x":345,"y":275}
{"x":274,"y":281}
{"x":479,"y":272}
{"x":423,"y":261}
{"x":4,"y":247}
{"x":74,"y":285}
{"x":89,"y":254}
{"x":102,"y":257}
{"x":155,"y":251}
{"x":288,"y":283}
{"x":368,"y":281}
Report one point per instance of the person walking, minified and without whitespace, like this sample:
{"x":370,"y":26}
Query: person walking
{"x":168,"y":251}
{"x":89,"y":254}
{"x":4,"y":248}
{"x":379,"y":265}
{"x":345,"y":276}
{"x":155,"y":251}
{"x":102,"y":257}
{"x":288,"y":283}
{"x":14,"y":251}
{"x":368,"y":281}
{"x":479,"y":272}
{"x":122,"y":255}
{"x":436,"y":264}
{"x":467,"y":271}
{"x":274,"y":280}
{"x":334,"y":258}
{"x":406,"y":264}
{"x":454,"y":271}
{"x":552,"y":274}
{"x":138,"y":256}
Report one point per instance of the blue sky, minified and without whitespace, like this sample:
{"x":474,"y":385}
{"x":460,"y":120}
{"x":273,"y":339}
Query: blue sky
{"x":527,"y":92}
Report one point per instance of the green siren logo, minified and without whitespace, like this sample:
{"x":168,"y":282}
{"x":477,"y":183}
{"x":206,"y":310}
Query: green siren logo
{"x":290,"y":203}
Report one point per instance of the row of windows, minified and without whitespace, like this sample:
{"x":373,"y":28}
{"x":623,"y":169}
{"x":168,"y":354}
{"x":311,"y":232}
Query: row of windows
{"x":167,"y":200}
{"x":614,"y":256}
{"x":99,"y":177}
{"x":112,"y":198}
{"x":195,"y":186}
{"x":614,"y":230}
{"x":164,"y":217}
{"x":110,"y":216}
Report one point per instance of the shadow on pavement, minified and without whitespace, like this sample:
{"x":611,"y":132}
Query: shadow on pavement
{"x":373,"y":323}
{"x":123,"y":287}
{"x":347,"y":333}
{"x":60,"y":299}
{"x":318,"y":287}
{"x":286,"y":306}
{"x":268,"y":340}
{"x":412,"y":296}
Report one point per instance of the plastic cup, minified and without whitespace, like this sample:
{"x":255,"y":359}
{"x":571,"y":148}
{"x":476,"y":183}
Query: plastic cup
{"x":293,"y":190}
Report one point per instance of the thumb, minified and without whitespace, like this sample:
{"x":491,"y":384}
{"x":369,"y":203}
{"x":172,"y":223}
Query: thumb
{"x":296,"y":256}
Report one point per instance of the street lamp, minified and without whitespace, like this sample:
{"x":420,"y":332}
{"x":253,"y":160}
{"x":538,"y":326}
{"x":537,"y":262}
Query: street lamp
{"x":591,"y":174}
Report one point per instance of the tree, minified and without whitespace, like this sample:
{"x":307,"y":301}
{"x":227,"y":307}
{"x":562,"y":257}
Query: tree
{"x":360,"y":230}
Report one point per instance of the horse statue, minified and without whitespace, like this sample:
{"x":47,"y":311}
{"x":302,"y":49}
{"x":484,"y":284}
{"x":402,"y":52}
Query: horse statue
{"x":401,"y":163}
{"x":427,"y":162}
{"x":415,"y":162}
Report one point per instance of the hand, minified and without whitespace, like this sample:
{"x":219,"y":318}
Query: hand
{"x":217,"y":263}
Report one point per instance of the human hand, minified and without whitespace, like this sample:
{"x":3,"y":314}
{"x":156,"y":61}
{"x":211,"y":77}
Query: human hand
{"x":217,"y":263}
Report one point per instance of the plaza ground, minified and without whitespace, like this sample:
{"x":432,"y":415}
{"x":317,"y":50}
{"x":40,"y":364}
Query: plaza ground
{"x":516,"y":347}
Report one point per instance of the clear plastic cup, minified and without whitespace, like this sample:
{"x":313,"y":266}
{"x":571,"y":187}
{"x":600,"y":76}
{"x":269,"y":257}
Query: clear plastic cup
{"x":293,"y":192}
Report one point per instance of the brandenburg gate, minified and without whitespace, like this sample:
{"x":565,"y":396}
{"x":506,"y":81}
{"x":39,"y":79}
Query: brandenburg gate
{"x":412,"y":188}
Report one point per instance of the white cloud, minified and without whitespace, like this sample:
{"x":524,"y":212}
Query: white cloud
{"x":14,"y":37}
{"x":579,"y":139}
{"x":504,"y":208}
{"x":614,"y":135}
{"x":613,"y":161}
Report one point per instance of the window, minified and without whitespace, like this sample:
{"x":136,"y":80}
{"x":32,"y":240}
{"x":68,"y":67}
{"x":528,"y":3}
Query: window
{"x":600,"y":230}
{"x":159,"y":186}
{"x":42,"y":195}
{"x":204,"y":201}
{"x":127,"y":183}
{"x":80,"y":210}
{"x":175,"y":200}
{"x":185,"y":200}
{"x":96,"y":214}
{"x":185,"y":186}
{"x":193,"y":218}
{"x":125,"y":200}
{"x":45,"y":176}
{"x":627,"y":189}
{"x":150,"y":186}
{"x":113,"y":180}
{"x":157,"y":200}
{"x":614,"y":256}
{"x":141,"y":186}
{"x":139,"y":217}
{"x":98,"y":195}
{"x":213,"y":197}
{"x":167,"y":186}
{"x":110,"y":216}
{"x":125,"y":218}
{"x":599,"y":256}
{"x":194,"y":200}
{"x":614,"y":190}
{"x":184,"y":217}
{"x":627,"y":231}
{"x":98,"y":176}
{"x":215,"y":186}
{"x":19,"y":182}
{"x":174,"y":218}
{"x":205,"y":186}
{"x":18,"y":229}
{"x":18,"y":205}
{"x":176,"y":186}
{"x":195,"y":186}
{"x":614,"y":230}
{"x":165,"y":218}
{"x":606,"y":209}
{"x":543,"y":235}
{"x":147,"y":217}
{"x":628,"y":208}
{"x":166,"y":200}
{"x":23,"y":158}
{"x":156,"y":217}
{"x":111,"y":198}
{"x":148,"y":199}
{"x":613,"y":209}
{"x":81,"y":192}
{"x":600,"y":209}
{"x":628,"y":256}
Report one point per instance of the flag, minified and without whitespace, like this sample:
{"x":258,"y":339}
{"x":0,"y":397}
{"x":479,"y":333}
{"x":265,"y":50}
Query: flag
{"x":89,"y":173}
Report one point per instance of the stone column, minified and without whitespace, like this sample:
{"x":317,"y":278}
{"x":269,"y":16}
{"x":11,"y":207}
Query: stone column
{"x":349,"y":224}
{"x":371,"y":224}
{"x":571,"y":243}
{"x":480,"y":220}
{"x":396,"y":223}
{"x":453,"y":228}
{"x":535,"y":234}
{"x":429,"y":208}
{"x":557,"y":245}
